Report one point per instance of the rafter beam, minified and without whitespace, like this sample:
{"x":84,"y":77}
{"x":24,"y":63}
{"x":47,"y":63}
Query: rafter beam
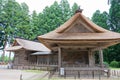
{"x":105,"y":46}
{"x":79,"y":41}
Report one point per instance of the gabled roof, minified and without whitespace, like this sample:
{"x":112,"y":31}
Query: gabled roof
{"x":94,"y":31}
{"x":78,"y":28}
{"x":27,"y":45}
{"x":84,"y":20}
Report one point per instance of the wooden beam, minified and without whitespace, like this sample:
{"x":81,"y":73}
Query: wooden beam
{"x":45,"y":43}
{"x":78,"y":41}
{"x":73,"y":50}
{"x":78,"y":46}
{"x":105,"y":46}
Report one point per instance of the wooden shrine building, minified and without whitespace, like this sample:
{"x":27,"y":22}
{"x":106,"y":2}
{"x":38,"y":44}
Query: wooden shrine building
{"x":76,"y":42}
{"x":28,"y":53}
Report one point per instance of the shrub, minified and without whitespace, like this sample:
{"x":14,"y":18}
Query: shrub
{"x":119,"y":64}
{"x":114,"y":64}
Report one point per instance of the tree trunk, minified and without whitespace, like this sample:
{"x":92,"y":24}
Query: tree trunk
{"x":3,"y":55}
{"x":9,"y":56}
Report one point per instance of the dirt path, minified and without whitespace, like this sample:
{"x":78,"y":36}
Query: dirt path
{"x":7,"y":74}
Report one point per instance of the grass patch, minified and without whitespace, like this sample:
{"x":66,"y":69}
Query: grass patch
{"x":57,"y":79}
{"x":78,"y":79}
{"x":114,"y":68}
{"x":34,"y":71}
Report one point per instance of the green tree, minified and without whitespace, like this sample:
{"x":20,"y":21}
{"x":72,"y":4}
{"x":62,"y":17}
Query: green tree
{"x":114,"y":15}
{"x":100,"y":19}
{"x":1,"y":39}
{"x":113,"y":23}
{"x":23,"y":28}
{"x":74,"y":8}
{"x":53,"y":16}
{"x":34,"y":20}
{"x":6,"y":20}
{"x":66,"y":11}
{"x":12,"y":16}
{"x":34,"y":24}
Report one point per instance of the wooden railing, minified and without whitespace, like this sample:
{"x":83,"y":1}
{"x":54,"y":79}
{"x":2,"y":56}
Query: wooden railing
{"x":84,"y":69}
{"x":83,"y":65}
{"x":115,"y":73}
{"x":43,"y":64}
{"x":73,"y":65}
{"x":40,"y":65}
{"x":52,"y":71}
{"x":82,"y":72}
{"x":34,"y":65}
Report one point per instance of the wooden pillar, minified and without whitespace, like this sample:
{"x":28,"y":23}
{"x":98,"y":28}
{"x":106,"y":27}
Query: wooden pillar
{"x":101,"y":58}
{"x":37,"y":60}
{"x":91,"y":58}
{"x":48,"y":60}
{"x":59,"y":58}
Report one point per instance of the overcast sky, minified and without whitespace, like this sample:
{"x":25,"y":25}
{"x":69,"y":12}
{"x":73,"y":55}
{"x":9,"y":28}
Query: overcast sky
{"x":89,"y":6}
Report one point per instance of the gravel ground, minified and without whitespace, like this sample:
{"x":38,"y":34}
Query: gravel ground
{"x":9,"y":74}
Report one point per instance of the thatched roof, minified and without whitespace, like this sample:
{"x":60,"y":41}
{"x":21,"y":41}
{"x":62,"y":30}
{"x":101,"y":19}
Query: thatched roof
{"x":19,"y":44}
{"x":13,"y":48}
{"x":78,"y":28}
{"x":95,"y":32}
